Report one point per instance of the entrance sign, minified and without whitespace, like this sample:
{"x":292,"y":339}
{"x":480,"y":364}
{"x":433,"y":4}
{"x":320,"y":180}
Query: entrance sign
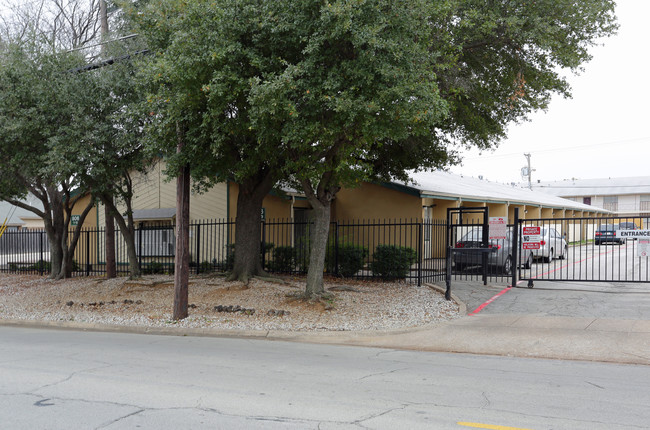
{"x":497,"y":227}
{"x":532,"y":237}
{"x":633,"y":234}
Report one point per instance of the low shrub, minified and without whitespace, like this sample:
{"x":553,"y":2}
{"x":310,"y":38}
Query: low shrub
{"x":207,"y":267}
{"x":347,"y":260}
{"x":44,"y":266}
{"x":156,"y":268}
{"x":284,"y":259}
{"x":392,"y":262}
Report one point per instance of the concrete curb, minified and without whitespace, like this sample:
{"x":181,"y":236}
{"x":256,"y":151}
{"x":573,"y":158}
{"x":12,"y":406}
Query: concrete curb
{"x":462,"y":307}
{"x":563,"y":338}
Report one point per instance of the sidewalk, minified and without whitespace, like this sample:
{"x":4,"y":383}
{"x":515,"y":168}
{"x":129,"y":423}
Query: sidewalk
{"x":563,"y":338}
{"x":604,"y":340}
{"x":513,"y":335}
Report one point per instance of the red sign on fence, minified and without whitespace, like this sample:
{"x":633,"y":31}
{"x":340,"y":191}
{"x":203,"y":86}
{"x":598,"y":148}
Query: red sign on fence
{"x":530,"y":231}
{"x":531,"y":237}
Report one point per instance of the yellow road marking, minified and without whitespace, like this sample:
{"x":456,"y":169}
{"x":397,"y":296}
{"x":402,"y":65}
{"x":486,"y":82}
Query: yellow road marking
{"x":488,"y":426}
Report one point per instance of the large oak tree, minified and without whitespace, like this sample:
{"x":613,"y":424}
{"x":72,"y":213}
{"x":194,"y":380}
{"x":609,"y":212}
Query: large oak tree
{"x":42,"y":117}
{"x":330,"y":93}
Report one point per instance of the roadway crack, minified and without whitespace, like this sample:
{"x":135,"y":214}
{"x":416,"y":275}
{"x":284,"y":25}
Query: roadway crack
{"x":383,"y":373}
{"x":377,"y":415}
{"x":595,"y":385}
{"x":116,"y":420}
{"x":66,"y":379}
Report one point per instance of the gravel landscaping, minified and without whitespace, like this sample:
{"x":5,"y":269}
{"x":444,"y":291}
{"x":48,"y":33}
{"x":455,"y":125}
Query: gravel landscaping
{"x":215,"y":303}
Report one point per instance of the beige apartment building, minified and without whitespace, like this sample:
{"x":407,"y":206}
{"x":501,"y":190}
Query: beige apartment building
{"x":628,"y":197}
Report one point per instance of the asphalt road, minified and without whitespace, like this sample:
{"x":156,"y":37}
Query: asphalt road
{"x":52,"y":379}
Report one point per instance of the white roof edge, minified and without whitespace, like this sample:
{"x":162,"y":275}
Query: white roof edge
{"x":449,"y":185}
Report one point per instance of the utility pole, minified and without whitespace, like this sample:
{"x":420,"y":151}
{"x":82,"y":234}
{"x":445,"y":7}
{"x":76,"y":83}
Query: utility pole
{"x":103,"y":18}
{"x":109,"y":234}
{"x":529,"y":172}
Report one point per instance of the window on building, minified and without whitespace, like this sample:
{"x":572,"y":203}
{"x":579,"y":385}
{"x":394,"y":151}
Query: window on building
{"x":157,"y":241}
{"x":610,"y":203}
{"x":645,"y":203}
{"x":586,"y":200}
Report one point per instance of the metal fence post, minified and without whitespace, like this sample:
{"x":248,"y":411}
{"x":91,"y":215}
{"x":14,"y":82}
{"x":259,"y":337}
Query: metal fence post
{"x":448,"y":233}
{"x":88,"y":265}
{"x":420,"y":248}
{"x":486,"y":243}
{"x":198,"y":248}
{"x":515,"y":247}
{"x":263,"y":243}
{"x":140,"y":247}
{"x":336,"y":248}
{"x":41,"y":265}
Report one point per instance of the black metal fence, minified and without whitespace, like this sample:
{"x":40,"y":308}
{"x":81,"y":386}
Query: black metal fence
{"x":413,"y":250}
{"x":570,"y":249}
{"x":608,"y":249}
{"x":473,"y":255}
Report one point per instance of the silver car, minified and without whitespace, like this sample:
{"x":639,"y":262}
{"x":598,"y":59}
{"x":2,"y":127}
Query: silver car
{"x":552,"y":245}
{"x":499,"y":256}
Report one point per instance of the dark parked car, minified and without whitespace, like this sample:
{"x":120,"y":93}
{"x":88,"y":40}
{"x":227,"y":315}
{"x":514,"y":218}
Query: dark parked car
{"x":627,"y":226}
{"x":500,"y":257}
{"x":607,"y":233}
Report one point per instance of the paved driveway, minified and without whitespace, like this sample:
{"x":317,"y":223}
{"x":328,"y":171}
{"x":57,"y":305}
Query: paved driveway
{"x":563,"y":299}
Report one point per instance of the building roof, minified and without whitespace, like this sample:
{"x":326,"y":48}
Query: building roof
{"x":154,"y":214}
{"x":15,"y":214}
{"x":596,"y":187}
{"x":445,"y":185}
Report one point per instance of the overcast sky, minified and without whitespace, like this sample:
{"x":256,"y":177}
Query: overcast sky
{"x":603,"y":131}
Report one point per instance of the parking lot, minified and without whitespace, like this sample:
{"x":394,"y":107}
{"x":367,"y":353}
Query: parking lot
{"x":590,"y":262}
{"x":615,"y":300}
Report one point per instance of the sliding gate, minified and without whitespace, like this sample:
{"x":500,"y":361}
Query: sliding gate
{"x":480,"y":247}
{"x":611,"y":249}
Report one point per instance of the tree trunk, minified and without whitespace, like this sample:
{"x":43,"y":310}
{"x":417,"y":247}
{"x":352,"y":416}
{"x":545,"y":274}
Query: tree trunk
{"x":56,"y":252}
{"x":60,"y":235}
{"x":182,"y":257}
{"x":69,"y":246}
{"x":128,"y":234}
{"x":317,"y":249}
{"x":109,"y":240}
{"x":248,"y":228}
{"x":321,"y":202}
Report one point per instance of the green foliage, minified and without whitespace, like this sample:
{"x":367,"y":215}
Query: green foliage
{"x":328,"y":94}
{"x":392,"y":262}
{"x":207,"y":266}
{"x":284,"y":259}
{"x":62,"y":130}
{"x":157,"y":267}
{"x":350,"y":259}
{"x":39,"y":266}
{"x":42,"y":266}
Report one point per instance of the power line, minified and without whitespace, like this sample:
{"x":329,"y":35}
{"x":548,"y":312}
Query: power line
{"x":129,"y":36}
{"x":107,"y":62}
{"x":563,"y":149}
